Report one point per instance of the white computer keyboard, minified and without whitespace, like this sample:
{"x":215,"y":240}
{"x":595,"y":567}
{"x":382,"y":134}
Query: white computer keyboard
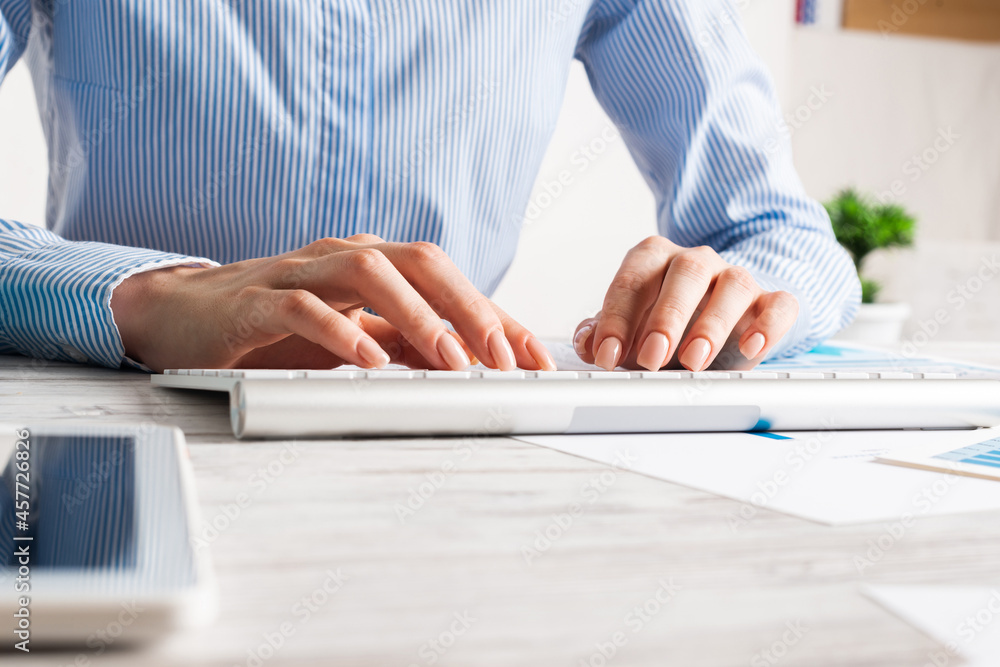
{"x":355,"y":402}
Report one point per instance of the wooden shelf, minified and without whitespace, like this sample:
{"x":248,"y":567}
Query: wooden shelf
{"x":977,"y":20}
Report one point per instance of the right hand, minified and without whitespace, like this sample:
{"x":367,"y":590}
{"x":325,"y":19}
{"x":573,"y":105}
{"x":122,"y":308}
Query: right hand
{"x":304,"y":309}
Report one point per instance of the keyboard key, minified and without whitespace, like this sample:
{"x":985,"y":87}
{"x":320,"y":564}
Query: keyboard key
{"x":501,"y":375}
{"x":265,"y":374}
{"x":552,"y":375}
{"x":389,"y":375}
{"x":333,"y":375}
{"x":606,"y":375}
{"x":448,"y":375}
{"x":850,"y":375}
{"x":803,"y":375}
{"x":937,"y":376}
{"x":715,"y":375}
{"x":893,"y":375}
{"x":756,"y":375}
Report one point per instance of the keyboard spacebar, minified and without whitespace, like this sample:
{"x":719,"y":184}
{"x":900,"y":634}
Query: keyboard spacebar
{"x":318,"y":408}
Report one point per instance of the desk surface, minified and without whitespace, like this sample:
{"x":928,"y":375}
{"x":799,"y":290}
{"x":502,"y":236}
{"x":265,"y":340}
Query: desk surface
{"x":449,"y":585}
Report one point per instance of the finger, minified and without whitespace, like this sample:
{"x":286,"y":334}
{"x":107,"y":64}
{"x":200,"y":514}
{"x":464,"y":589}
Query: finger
{"x":392,"y":340}
{"x":583,"y":339}
{"x":365,"y":239}
{"x":328,"y":246}
{"x":688,"y":278}
{"x":366,"y":275}
{"x":529,"y":352}
{"x":453,"y":297}
{"x":304,"y":314}
{"x":290,"y":352}
{"x":778,"y":312}
{"x":399,"y":349}
{"x":734,"y":292}
{"x":632,"y":291}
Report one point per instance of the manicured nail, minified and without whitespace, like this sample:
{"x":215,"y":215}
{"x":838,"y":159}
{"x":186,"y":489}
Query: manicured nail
{"x":540,"y":354}
{"x":374,"y":356}
{"x":500,"y":349}
{"x":653,"y":354}
{"x":581,"y":338}
{"x":755,"y":343}
{"x":609,"y":353}
{"x":452,"y":353}
{"x":696,"y":354}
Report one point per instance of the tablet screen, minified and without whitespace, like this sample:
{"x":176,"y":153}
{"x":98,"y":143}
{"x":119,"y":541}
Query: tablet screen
{"x":81,"y":505}
{"x":97,"y":509}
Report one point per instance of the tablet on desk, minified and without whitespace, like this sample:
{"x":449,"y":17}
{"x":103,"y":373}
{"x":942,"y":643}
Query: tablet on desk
{"x":95,"y":530}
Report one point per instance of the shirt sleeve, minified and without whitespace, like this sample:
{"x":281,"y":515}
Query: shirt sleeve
{"x":55,"y":295}
{"x":699,"y":114}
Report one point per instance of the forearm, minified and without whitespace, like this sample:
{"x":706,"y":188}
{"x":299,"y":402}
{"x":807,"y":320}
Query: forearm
{"x":55,"y":296}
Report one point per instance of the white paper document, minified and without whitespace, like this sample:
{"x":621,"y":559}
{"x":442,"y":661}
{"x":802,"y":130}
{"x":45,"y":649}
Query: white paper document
{"x":964,"y":619}
{"x":830,"y":477}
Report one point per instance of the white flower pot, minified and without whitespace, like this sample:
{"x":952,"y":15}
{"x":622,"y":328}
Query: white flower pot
{"x":877,"y":323}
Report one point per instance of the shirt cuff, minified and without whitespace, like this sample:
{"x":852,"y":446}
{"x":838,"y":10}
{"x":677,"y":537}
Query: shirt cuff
{"x":796,"y":340}
{"x":55,"y":301}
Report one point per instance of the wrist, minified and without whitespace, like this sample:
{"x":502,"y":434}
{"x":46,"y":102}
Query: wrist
{"x":134,"y":304}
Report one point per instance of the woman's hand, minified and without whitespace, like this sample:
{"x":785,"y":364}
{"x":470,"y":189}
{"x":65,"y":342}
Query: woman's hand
{"x":303,"y":309}
{"x":674,"y":306}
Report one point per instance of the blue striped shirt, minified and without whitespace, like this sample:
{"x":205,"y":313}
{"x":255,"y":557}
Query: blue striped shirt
{"x":193,"y":131}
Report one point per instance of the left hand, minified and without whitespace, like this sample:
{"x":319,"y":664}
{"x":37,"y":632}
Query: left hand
{"x":687,"y":307}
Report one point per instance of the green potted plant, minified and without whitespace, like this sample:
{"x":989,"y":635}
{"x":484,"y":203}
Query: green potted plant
{"x":862,"y":226}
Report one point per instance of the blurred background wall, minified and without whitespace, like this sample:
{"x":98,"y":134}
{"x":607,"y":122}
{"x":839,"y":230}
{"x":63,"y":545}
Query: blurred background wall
{"x":891,"y":97}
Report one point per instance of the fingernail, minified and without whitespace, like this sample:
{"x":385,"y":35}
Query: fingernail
{"x":696,"y":354}
{"x":540,"y":354}
{"x":581,"y":338}
{"x":373,"y":355}
{"x":501,"y":351}
{"x":653,"y":354}
{"x":608,"y":354}
{"x":755,"y":343}
{"x":452,"y":353}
